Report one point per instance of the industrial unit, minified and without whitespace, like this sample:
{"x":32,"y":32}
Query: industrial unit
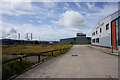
{"x":107,"y":31}
{"x":81,"y":38}
{"x":14,"y":41}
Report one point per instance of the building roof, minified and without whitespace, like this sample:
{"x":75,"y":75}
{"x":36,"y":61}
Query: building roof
{"x":105,"y":18}
{"x":74,"y":38}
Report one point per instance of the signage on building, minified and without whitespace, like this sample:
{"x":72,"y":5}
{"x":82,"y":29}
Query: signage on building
{"x":99,"y":25}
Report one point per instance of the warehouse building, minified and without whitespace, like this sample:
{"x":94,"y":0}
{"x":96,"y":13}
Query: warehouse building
{"x":81,"y":38}
{"x":14,"y":41}
{"x":107,"y":31}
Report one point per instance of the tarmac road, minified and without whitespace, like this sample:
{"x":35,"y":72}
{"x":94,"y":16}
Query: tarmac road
{"x":89,"y":63}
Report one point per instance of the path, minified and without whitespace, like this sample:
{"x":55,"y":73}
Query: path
{"x":89,"y":63}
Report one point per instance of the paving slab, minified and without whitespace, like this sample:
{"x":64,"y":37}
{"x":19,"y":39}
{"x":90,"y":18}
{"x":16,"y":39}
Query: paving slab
{"x":88,"y":63}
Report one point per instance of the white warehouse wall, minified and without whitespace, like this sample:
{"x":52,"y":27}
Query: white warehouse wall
{"x":105,"y":36}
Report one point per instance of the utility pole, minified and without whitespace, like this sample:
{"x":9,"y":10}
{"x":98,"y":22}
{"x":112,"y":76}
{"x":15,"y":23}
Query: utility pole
{"x":31,"y":36}
{"x":18,"y":36}
{"x":39,"y":38}
{"x":27,"y":36}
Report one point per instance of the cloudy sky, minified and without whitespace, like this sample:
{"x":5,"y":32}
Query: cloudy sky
{"x":51,"y":20}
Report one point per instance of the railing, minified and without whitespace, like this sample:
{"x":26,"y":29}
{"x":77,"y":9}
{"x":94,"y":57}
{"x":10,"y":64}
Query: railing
{"x":62,"y":51}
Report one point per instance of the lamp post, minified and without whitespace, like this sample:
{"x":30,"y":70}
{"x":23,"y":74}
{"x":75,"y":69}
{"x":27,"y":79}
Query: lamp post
{"x":119,"y":36}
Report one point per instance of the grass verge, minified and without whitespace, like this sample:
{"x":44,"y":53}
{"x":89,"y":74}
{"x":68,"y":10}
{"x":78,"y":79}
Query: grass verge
{"x":11,"y":68}
{"x":14,"y":67}
{"x":30,"y":48}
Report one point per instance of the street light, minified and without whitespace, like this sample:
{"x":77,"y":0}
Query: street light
{"x":119,"y":35}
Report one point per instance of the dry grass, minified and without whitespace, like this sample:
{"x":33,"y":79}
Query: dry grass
{"x":30,"y":48}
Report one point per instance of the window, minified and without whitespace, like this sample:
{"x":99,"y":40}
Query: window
{"x":107,"y":26}
{"x":97,"y":40}
{"x":96,"y":32}
{"x":116,"y":33}
{"x":100,"y":30}
{"x":93,"y":33}
{"x":119,"y":32}
{"x":93,"y":40}
{"x":88,"y":38}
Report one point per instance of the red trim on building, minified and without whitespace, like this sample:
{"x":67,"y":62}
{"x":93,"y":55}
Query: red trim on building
{"x":103,"y":47}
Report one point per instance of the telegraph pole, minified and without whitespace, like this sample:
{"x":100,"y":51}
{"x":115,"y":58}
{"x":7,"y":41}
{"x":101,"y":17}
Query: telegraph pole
{"x":39,"y":38}
{"x":119,"y":36}
{"x":119,"y":30}
{"x":31,"y":36}
{"x":27,"y":36}
{"x":18,"y":36}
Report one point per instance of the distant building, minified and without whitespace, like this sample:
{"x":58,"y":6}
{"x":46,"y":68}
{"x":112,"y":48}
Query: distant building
{"x":52,"y":42}
{"x":81,"y":35}
{"x":13,"y":41}
{"x":81,"y":38}
{"x":106,"y":33}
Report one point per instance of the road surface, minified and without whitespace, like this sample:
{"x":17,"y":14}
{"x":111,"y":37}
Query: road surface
{"x":89,"y":63}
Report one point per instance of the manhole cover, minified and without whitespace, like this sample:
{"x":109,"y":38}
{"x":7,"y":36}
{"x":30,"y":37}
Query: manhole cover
{"x":74,"y":55}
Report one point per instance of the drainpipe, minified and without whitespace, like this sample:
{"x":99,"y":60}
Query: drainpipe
{"x":112,"y":49}
{"x":118,"y":42}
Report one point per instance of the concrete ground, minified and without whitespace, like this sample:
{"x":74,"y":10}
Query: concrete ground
{"x":89,"y":63}
{"x":106,"y":50}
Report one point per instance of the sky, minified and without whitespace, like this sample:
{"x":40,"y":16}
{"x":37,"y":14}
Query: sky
{"x":51,"y":21}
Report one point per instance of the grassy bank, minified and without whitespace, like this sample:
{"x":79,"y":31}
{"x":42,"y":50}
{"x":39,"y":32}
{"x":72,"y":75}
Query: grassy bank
{"x":31,"y":48}
{"x":11,"y":68}
{"x":14,"y":67}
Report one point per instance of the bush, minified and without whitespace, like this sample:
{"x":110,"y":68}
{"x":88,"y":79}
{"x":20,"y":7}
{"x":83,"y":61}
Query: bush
{"x":71,"y":42}
{"x":36,"y":42}
{"x":11,"y":68}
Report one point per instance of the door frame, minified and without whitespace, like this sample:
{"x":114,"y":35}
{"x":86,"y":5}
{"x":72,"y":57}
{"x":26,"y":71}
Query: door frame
{"x":115,"y":30}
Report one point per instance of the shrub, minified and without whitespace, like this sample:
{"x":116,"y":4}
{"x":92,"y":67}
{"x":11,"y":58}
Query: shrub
{"x":11,"y":68}
{"x":36,"y":42}
{"x":71,"y":42}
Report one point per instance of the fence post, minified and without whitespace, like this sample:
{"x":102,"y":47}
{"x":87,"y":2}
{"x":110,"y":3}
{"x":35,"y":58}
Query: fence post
{"x":20,"y":59}
{"x":38,"y":57}
{"x":61,"y":51}
{"x":65,"y":49}
{"x":52,"y":53}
